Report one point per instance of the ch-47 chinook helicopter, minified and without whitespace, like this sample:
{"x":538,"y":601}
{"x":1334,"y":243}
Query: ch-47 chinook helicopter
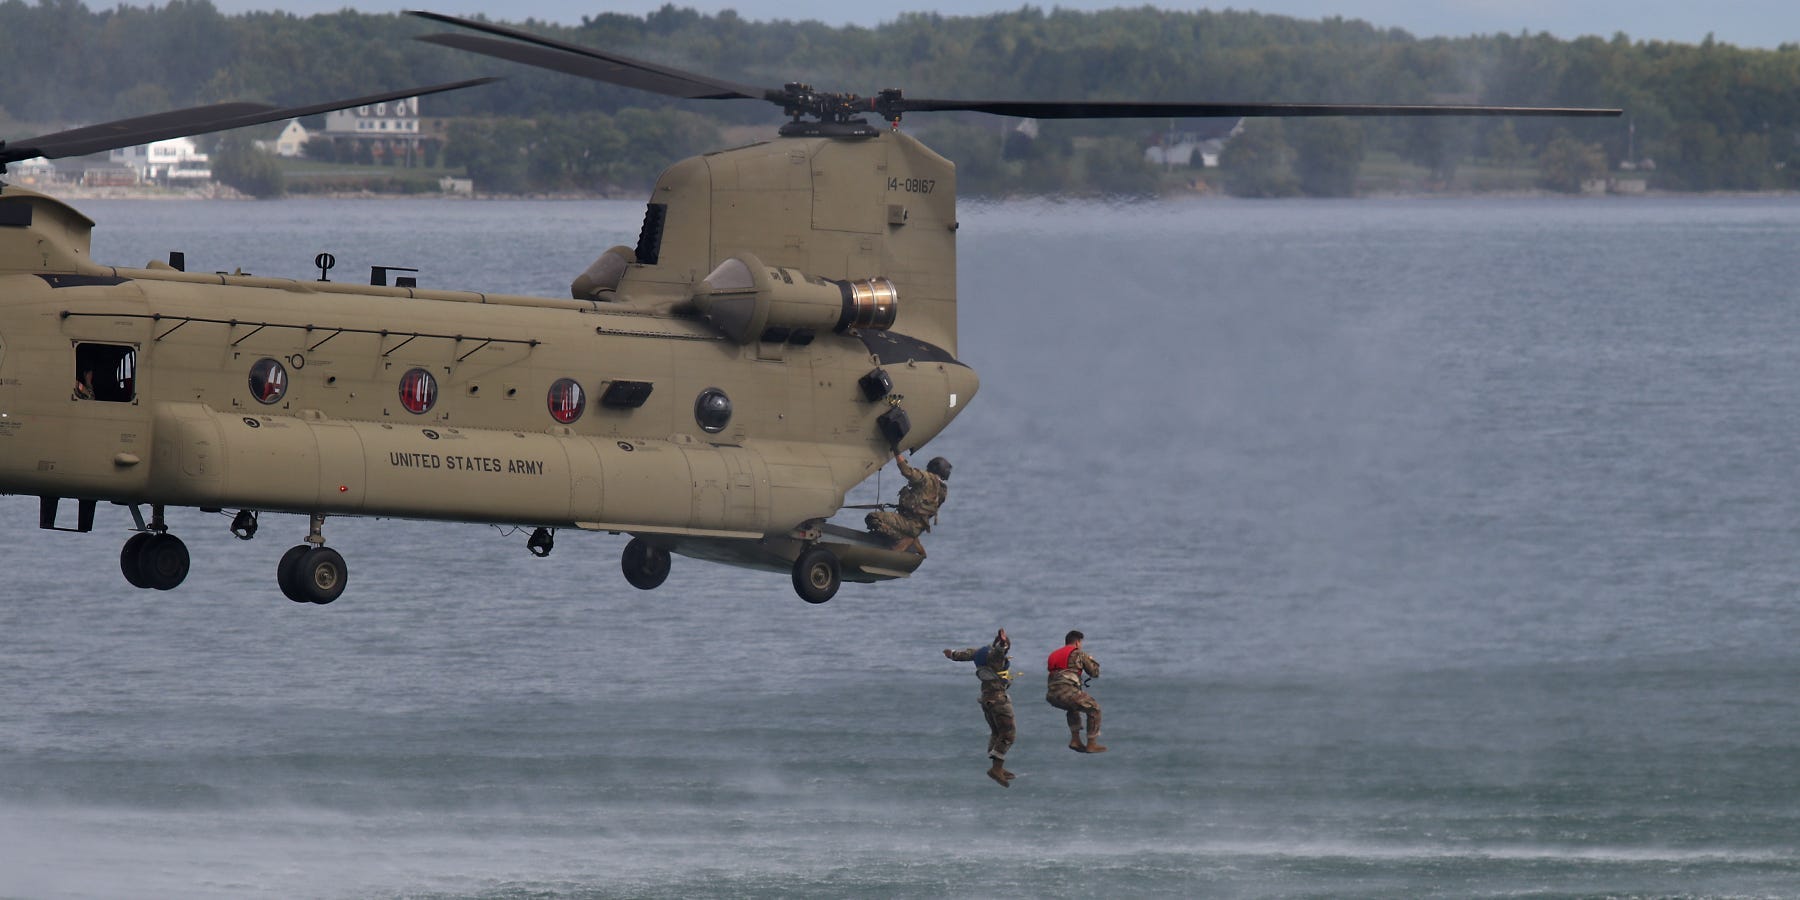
{"x":785,"y":322}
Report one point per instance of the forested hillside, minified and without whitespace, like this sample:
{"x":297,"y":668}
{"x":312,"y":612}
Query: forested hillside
{"x":1710,"y":116}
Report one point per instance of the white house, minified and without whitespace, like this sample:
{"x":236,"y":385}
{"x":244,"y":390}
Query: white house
{"x":385,"y":131}
{"x":292,"y":140}
{"x":174,"y":160}
{"x":395,"y":118}
{"x":1206,"y":137}
{"x":36,"y":170}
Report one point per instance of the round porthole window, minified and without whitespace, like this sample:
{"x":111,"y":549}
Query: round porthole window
{"x":567,"y":400}
{"x":268,"y":381}
{"x":418,"y":391}
{"x":712,"y":409}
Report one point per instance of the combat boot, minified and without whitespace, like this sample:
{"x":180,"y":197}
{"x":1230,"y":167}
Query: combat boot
{"x":999,"y":774}
{"x":1093,"y":744}
{"x":1075,"y":742}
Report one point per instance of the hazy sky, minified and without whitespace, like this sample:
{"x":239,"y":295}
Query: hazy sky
{"x":1749,"y":23}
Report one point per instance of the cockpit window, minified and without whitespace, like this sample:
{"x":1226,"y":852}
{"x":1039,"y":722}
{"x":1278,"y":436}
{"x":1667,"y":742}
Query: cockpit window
{"x":106,"y":372}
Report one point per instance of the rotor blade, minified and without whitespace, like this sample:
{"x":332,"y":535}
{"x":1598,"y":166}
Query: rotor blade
{"x":572,"y":59}
{"x":190,"y":121}
{"x":1106,"y":109}
{"x":47,"y":145}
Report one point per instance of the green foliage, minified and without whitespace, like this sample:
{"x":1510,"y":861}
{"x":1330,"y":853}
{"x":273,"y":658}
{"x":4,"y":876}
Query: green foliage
{"x":1328,"y":154}
{"x":976,"y":149}
{"x":239,"y":163}
{"x":1438,"y":144}
{"x":1713,"y":116}
{"x":1696,"y":157}
{"x":1748,"y":164}
{"x":1567,"y":163}
{"x":589,"y":152}
{"x":1503,"y":146}
{"x":494,"y":151}
{"x":320,"y":148}
{"x":1046,"y":164}
{"x":1787,"y":165}
{"x":652,"y":140}
{"x":1115,"y":167}
{"x":1258,"y":162}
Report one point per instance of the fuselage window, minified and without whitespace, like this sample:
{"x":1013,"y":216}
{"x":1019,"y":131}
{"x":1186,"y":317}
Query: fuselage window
{"x":712,"y":410}
{"x":418,"y":391}
{"x":567,"y":400}
{"x":268,"y":381}
{"x":106,"y":372}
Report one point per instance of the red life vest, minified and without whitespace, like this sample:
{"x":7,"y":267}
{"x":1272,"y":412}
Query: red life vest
{"x":1059,"y":658}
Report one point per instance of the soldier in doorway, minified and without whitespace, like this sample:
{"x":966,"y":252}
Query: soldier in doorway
{"x":916,"y":512}
{"x":1070,"y":667}
{"x":991,"y":667}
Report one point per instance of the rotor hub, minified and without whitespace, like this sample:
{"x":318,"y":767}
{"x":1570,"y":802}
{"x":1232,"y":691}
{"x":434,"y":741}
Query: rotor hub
{"x":822,"y":113}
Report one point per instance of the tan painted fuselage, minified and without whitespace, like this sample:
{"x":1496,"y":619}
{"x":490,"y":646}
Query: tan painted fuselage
{"x":182,"y":420}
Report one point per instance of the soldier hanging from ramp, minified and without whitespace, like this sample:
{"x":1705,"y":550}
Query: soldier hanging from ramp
{"x":917,"y":510}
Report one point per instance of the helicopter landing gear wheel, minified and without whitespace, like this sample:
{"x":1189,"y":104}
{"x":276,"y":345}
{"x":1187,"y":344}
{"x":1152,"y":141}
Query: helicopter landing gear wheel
{"x":130,"y":557}
{"x":162,"y":561}
{"x":646,"y":567}
{"x":315,"y":575}
{"x":312,"y":572}
{"x":816,"y":575}
{"x":284,"y":572}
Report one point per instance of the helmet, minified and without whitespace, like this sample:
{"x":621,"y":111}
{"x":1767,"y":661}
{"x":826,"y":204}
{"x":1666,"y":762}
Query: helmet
{"x":939,"y":466}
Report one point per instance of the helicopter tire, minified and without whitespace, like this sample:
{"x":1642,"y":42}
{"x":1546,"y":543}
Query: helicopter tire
{"x":319,"y":575}
{"x":284,"y":572}
{"x":131,"y":555}
{"x":816,"y":577}
{"x":646,"y":567}
{"x":163,"y":561}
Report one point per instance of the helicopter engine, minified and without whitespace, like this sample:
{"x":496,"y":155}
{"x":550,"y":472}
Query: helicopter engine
{"x":747,"y":300}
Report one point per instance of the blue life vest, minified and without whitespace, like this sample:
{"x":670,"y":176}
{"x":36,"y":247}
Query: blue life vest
{"x":985,"y":653}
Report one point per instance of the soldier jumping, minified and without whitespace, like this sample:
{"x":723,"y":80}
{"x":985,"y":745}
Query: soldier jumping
{"x":991,"y":667}
{"x":1068,"y":665}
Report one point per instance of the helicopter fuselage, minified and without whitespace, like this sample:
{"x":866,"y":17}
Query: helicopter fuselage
{"x":630,"y":407}
{"x":714,"y":390}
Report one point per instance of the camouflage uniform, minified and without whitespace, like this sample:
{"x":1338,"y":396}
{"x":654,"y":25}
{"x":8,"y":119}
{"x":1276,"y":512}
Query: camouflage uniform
{"x":996,"y":704}
{"x":919,"y":502}
{"x":1065,"y":693}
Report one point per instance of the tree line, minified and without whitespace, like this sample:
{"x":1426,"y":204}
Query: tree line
{"x":1708,"y":116}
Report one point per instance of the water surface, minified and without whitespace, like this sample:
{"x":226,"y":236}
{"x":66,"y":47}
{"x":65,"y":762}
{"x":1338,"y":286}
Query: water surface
{"x":1432,"y":548}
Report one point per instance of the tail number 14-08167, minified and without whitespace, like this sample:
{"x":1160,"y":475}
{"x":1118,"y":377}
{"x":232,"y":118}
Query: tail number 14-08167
{"x":912,"y":185}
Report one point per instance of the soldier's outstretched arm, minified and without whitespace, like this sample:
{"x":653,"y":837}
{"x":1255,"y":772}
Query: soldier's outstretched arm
{"x":906,"y":468}
{"x":964,"y":655}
